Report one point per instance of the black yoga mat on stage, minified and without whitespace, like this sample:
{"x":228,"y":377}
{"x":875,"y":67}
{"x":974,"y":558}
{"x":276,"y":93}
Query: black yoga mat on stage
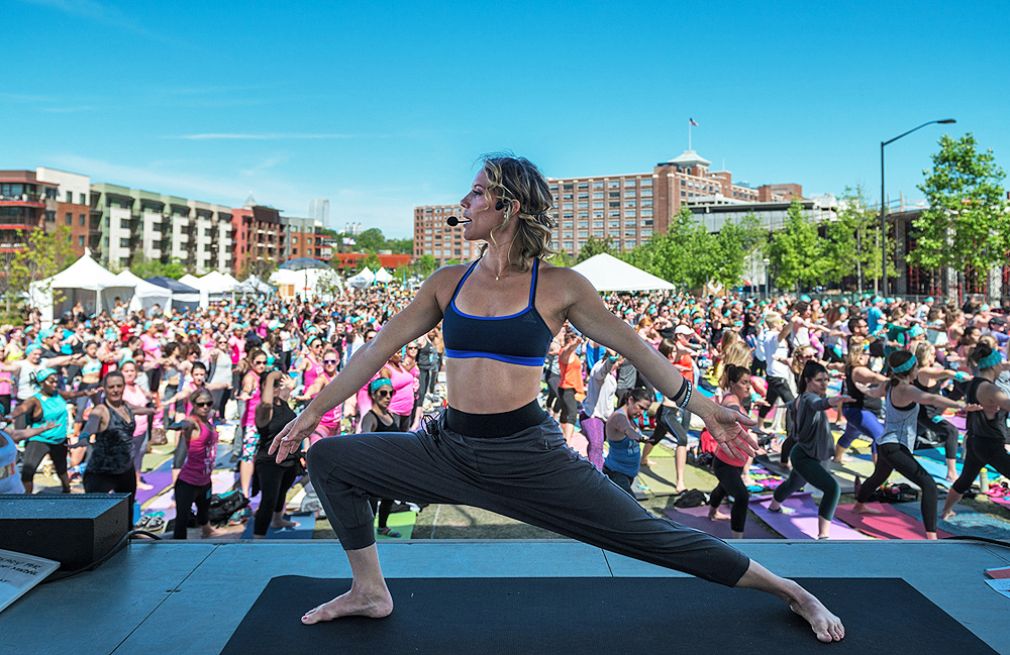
{"x":489,"y":616}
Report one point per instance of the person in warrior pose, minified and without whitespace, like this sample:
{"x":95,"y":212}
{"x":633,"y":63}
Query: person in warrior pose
{"x":494,"y":446}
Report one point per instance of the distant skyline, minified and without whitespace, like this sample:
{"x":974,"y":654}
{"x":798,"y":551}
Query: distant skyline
{"x":380,"y":109}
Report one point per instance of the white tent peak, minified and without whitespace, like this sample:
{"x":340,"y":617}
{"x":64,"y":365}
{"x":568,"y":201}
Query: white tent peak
{"x":608,"y":273}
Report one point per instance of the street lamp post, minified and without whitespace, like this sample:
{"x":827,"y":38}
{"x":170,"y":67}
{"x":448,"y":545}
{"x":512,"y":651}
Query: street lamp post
{"x":883,"y":203}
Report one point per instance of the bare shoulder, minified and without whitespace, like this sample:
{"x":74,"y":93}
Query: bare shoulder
{"x":442,"y":283}
{"x":564,"y":281}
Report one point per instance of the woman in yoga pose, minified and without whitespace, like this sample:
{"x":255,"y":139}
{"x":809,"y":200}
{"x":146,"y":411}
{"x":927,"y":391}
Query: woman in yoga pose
{"x":494,"y":447}
{"x":985,"y":442}
{"x":895,"y":446}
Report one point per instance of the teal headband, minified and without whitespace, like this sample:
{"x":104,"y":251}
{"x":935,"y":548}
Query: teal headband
{"x":992,"y":359}
{"x":379,"y":382}
{"x":907,"y":366}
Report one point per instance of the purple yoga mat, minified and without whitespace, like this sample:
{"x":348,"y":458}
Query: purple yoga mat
{"x":889,"y":524}
{"x":697,"y":518}
{"x":159,"y":479}
{"x":802,"y":522}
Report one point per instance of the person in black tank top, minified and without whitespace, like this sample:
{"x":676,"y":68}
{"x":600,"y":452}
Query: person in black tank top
{"x":985,"y":443}
{"x":109,"y":433}
{"x":933,"y":428}
{"x":274,"y":479}
{"x":379,"y":419}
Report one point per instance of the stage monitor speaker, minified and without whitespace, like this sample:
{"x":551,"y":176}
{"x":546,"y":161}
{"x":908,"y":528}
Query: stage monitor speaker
{"x":73,"y":529}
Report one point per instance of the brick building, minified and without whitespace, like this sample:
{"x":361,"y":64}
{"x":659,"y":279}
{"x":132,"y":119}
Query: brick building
{"x":627,"y":208}
{"x":259,"y":236}
{"x":26,"y":203}
{"x":73,"y":208}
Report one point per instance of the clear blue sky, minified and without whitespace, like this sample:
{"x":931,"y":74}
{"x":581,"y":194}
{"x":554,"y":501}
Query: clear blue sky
{"x":381,"y":107}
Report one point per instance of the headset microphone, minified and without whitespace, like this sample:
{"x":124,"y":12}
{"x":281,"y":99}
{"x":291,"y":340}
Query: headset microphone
{"x":453,"y":221}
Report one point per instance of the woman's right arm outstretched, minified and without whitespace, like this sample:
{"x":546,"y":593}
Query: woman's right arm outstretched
{"x":414,"y":320}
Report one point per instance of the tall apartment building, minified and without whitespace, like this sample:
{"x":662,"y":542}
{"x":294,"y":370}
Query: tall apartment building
{"x":26,"y":203}
{"x":627,"y":208}
{"x":304,"y":237}
{"x":259,"y":236}
{"x":73,"y":208}
{"x":136,"y":224}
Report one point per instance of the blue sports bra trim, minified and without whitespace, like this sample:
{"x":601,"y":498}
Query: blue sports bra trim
{"x":529,"y":304}
{"x":508,"y":359}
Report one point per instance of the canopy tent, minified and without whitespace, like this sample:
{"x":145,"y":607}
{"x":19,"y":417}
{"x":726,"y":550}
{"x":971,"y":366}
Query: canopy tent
{"x":302,"y":263}
{"x":145,"y":294}
{"x":608,"y":273}
{"x":363,"y":279}
{"x":382,"y":276}
{"x":212,"y":286}
{"x":255,"y":286}
{"x":306,"y":282}
{"x":184,"y":297}
{"x":84,"y":281}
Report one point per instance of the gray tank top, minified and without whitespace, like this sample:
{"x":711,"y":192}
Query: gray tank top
{"x":900,"y":424}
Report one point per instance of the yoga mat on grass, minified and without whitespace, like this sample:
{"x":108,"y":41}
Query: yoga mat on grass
{"x":697,"y":518}
{"x":934,"y":459}
{"x":160,"y":479}
{"x":966,"y":522}
{"x":799,"y":521}
{"x":889,"y":524}
{"x":306,"y":525}
{"x":533,"y":616}
{"x":402,"y":522}
{"x":221,"y":481}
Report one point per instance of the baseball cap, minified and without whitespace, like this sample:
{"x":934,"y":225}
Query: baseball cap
{"x":683,"y":329}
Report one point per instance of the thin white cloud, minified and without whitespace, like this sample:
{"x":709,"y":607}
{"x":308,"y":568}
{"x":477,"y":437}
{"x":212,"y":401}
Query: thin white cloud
{"x":267,"y":136}
{"x":103,"y":13}
{"x":69,"y":109}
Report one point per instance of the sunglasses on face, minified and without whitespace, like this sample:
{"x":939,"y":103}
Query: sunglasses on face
{"x":329,"y":361}
{"x":384,"y":393}
{"x":203,"y":404}
{"x":260,"y":362}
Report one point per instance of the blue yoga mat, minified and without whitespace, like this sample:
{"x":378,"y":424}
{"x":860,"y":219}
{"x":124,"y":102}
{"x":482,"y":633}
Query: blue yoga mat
{"x":303,"y":531}
{"x":966,"y":521}
{"x":937,"y":455}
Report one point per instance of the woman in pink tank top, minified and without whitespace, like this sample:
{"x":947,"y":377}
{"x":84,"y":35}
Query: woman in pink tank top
{"x":329,"y":424}
{"x":404,"y":382}
{"x":311,"y":367}
{"x":194,"y":483}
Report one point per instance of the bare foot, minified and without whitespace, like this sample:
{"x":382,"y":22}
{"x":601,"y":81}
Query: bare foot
{"x":647,"y":463}
{"x":952,"y":477}
{"x":948,"y":514}
{"x":211,"y":534}
{"x":717,"y":516}
{"x":281,"y":524}
{"x":144,"y":486}
{"x":864,"y":509}
{"x":352,"y":603}
{"x":825,"y":625}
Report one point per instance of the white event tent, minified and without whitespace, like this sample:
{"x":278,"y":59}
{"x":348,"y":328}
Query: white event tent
{"x":363,"y":279}
{"x":305,"y":282}
{"x":608,"y":273}
{"x":84,"y":281}
{"x":145,"y":295}
{"x":382,"y":276}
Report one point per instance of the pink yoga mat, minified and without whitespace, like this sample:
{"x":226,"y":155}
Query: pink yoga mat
{"x":889,"y":524}
{"x":697,"y":518}
{"x":802,"y":522}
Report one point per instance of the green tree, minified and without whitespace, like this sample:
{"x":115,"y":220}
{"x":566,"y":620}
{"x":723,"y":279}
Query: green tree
{"x":261,"y":268}
{"x":851,"y":245}
{"x":732,"y":245}
{"x":796,"y":252}
{"x":371,"y":261}
{"x":967,"y":224}
{"x":399,"y":246}
{"x":425,"y":265}
{"x":145,"y":268}
{"x":44,"y":255}
{"x":593,"y":247}
{"x":371,"y":240}
{"x":561,"y":258}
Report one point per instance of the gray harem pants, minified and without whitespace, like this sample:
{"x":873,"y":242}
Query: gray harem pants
{"x":531,"y":476}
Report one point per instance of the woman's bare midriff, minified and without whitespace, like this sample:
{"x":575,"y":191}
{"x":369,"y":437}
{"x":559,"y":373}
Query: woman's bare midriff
{"x":487,"y":386}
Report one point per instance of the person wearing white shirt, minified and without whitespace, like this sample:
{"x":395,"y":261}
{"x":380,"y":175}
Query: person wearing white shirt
{"x":599,"y":404}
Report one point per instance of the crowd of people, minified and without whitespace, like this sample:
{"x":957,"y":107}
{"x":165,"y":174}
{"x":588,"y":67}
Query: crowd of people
{"x":94,"y":392}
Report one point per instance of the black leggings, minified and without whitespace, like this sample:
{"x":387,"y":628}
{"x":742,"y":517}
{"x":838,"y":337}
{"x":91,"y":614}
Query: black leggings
{"x":530,"y":476}
{"x":274,"y":482}
{"x":382,"y":507}
{"x":942,"y":429}
{"x":977,"y":453}
{"x":35,"y":451}
{"x":777,"y":388}
{"x":569,"y":406}
{"x":730,"y":483}
{"x":103,"y":483}
{"x":668,"y":423}
{"x":185,"y":495}
{"x":896,"y":457}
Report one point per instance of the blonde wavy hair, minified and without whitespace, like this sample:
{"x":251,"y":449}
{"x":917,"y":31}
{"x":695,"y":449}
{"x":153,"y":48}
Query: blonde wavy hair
{"x":517,"y":178}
